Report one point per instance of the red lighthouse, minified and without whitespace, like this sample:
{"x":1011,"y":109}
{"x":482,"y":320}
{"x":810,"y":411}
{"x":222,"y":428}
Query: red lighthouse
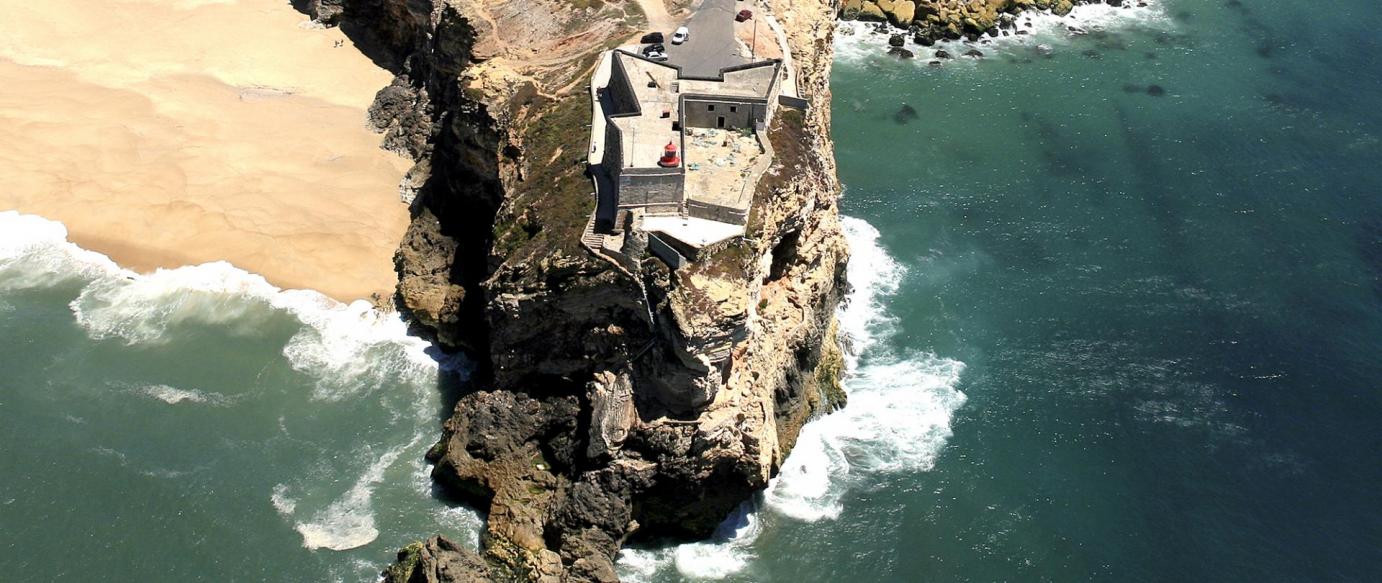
{"x":669,"y":157}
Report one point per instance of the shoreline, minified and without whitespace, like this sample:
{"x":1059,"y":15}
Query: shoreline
{"x":930,"y":35}
{"x":175,"y":143}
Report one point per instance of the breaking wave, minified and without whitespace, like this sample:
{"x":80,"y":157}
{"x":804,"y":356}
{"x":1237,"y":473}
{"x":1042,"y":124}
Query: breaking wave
{"x":855,"y":40}
{"x":347,"y":348}
{"x":348,"y":522}
{"x":897,"y":420}
{"x":726,"y":552}
{"x":900,"y":405}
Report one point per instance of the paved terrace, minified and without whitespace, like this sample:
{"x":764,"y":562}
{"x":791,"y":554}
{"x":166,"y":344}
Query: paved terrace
{"x":719,"y":165}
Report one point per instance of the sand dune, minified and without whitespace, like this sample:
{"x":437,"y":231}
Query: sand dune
{"x":171,"y":132}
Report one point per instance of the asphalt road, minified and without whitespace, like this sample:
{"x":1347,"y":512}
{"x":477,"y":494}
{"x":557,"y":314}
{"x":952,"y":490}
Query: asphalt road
{"x":711,"y":46}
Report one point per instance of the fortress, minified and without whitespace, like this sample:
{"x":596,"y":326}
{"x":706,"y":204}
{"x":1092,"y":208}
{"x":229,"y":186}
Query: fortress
{"x":676,"y":157}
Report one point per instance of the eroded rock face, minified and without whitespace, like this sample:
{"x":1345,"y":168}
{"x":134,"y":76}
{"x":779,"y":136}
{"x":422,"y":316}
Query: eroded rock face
{"x":953,"y":19}
{"x":612,"y":404}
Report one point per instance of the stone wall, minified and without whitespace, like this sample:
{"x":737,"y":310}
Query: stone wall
{"x":704,"y":111}
{"x":650,"y":186}
{"x":621,"y":95}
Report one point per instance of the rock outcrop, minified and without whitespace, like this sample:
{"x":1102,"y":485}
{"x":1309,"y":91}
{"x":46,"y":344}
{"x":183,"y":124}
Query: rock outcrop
{"x":611,"y":404}
{"x":932,"y":20}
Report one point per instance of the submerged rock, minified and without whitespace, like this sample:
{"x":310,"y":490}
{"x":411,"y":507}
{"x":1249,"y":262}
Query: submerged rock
{"x":901,"y":53}
{"x":1156,"y":90}
{"x":905,"y":114}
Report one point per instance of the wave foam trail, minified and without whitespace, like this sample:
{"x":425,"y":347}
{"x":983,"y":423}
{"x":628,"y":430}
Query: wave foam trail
{"x":348,"y":522}
{"x":726,"y":552}
{"x":347,"y":347}
{"x":900,"y":406}
{"x":174,"y":395}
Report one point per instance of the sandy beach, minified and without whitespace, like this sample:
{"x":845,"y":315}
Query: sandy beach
{"x":174,"y":132}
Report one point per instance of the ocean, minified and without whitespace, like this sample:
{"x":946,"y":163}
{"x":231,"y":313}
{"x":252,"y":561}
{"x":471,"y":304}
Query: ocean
{"x":1116,"y":315}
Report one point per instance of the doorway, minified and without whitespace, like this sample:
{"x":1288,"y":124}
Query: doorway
{"x":720,"y":122}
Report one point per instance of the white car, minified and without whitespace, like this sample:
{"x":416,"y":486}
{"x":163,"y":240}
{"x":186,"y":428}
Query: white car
{"x":681,"y":35}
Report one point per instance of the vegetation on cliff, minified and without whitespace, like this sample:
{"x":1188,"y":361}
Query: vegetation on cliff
{"x":610,"y":404}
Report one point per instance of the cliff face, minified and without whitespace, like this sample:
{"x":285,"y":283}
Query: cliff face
{"x":615,"y":403}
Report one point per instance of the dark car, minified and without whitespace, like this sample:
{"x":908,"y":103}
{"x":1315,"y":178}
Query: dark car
{"x":743,"y":15}
{"x":652,"y":37}
{"x":655,"y":52}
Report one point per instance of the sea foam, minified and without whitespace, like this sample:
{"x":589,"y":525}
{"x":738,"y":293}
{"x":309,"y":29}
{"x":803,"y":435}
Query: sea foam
{"x":727,"y":552}
{"x":348,"y":348}
{"x":855,"y":40}
{"x":174,"y":395}
{"x":897,"y":420}
{"x":900,"y":405}
{"x":348,"y":522}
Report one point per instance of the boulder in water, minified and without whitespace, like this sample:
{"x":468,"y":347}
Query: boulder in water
{"x":870,"y":12}
{"x":896,"y":40}
{"x":900,"y":53}
{"x":942,"y":54}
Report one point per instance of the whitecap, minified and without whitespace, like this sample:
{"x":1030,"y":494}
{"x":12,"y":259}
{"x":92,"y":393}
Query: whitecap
{"x":347,"y":348}
{"x":174,"y":395}
{"x":727,"y":552}
{"x":900,"y":406}
{"x":348,"y":522}
{"x":283,"y":504}
{"x":897,"y":420}
{"x":855,"y":40}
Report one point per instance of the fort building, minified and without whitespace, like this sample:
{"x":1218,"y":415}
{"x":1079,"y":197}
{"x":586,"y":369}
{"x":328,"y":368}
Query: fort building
{"x":675,"y":156}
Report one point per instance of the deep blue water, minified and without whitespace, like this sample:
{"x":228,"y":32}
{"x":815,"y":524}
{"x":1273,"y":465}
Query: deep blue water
{"x":1102,"y":332}
{"x":1169,"y":306}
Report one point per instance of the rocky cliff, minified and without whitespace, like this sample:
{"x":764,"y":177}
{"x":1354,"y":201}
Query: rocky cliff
{"x":612,"y":403}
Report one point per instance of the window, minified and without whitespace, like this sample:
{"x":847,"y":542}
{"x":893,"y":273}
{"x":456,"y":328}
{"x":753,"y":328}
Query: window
{"x":710,"y":107}
{"x":733,"y":109}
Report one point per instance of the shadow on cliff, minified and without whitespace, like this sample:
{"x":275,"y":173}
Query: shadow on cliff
{"x":382,"y":51}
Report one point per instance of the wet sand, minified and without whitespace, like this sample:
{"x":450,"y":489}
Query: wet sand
{"x":187,"y":131}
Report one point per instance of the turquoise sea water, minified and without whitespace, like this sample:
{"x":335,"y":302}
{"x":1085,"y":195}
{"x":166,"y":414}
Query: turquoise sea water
{"x":1118,"y":334}
{"x":199,"y":425}
{"x":1099,"y":333}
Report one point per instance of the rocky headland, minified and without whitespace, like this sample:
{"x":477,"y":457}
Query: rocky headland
{"x":928,"y":21}
{"x":609,"y":404}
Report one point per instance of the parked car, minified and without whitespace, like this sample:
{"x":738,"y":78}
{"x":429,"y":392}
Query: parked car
{"x":681,"y":35}
{"x":655,"y":52}
{"x":651,"y":38}
{"x":743,"y":15}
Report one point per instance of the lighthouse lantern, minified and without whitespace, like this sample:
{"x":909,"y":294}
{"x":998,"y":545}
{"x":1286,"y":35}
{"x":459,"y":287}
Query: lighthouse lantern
{"x":669,"y":156}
